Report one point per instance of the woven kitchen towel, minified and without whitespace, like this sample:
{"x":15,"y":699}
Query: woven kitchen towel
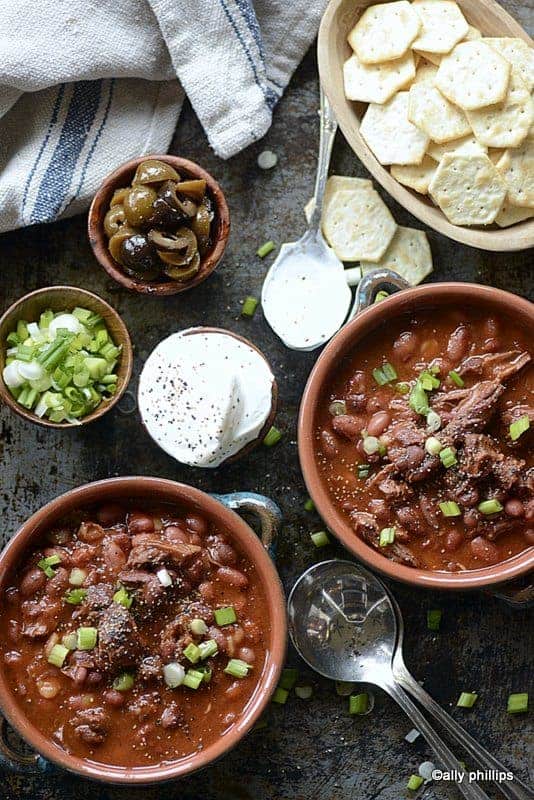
{"x":87,"y":84}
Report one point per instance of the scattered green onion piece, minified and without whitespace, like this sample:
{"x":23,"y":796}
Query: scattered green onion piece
{"x":123,"y":682}
{"x":86,"y":638}
{"x":371,"y":445}
{"x":198,"y":627}
{"x":450,"y":509}
{"x":433,"y":420}
{"x":433,"y":446}
{"x":280,"y":696}
{"x":358,"y":703}
{"x":77,"y":576}
{"x":206,"y":673}
{"x":389,"y":371}
{"x":414,"y":782}
{"x":381,"y":295}
{"x":402,"y":387}
{"x":364,"y":470}
{"x":207,"y":649}
{"x":123,"y":598}
{"x":193,"y":678}
{"x":448,"y":457}
{"x":288,"y":678}
{"x":320,"y":538}
{"x":519,"y":427}
{"x":273,"y":436}
{"x":22,"y":330}
{"x":467,"y":700}
{"x":225,"y":615}
{"x":387,"y":536}
{"x":517,"y":703}
{"x":12,"y":339}
{"x":47,"y":565}
{"x":337,"y":408}
{"x":237,"y":668}
{"x":76,"y":596}
{"x":456,"y":378}
{"x":490,"y":506}
{"x":69,"y":640}
{"x":248,"y":309}
{"x":46,"y":318}
{"x":82,"y":314}
{"x":418,"y":399}
{"x":265,"y":249}
{"x":57,"y":655}
{"x":382,"y":449}
{"x":433,"y":619}
{"x":426,"y":382}
{"x":304,"y":692}
{"x":379,"y":376}
{"x":192,"y":653}
{"x":309,"y":505}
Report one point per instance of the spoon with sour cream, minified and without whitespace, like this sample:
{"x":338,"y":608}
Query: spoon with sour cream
{"x":306,"y":293}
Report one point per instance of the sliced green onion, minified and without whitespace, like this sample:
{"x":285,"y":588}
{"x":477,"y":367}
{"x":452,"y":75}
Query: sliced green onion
{"x":380,"y":377}
{"x":467,"y":700}
{"x":192,"y":653}
{"x":418,"y":399}
{"x":337,"y":408}
{"x":76,"y":596}
{"x":206,"y":672}
{"x":207,"y":649}
{"x":433,"y":420}
{"x":414,"y":782}
{"x":320,"y":539}
{"x":304,"y":692}
{"x":288,"y":678}
{"x":358,"y":703}
{"x":123,"y":598}
{"x":273,"y":436}
{"x":448,"y":457}
{"x":450,"y":509}
{"x":198,"y":627}
{"x":22,"y":330}
{"x":402,"y":387}
{"x":517,"y":703}
{"x":371,"y":445}
{"x":47,"y":565}
{"x":57,"y":655}
{"x":225,"y":615}
{"x":193,"y":678}
{"x":280,"y":696}
{"x":363,"y":471}
{"x":69,"y":640}
{"x":237,"y":668}
{"x":173,"y":674}
{"x":249,"y":306}
{"x":265,"y":249}
{"x":86,"y":638}
{"x":389,"y":371}
{"x":433,"y":446}
{"x":433,"y":619}
{"x":123,"y":682}
{"x":490,"y":506}
{"x":456,"y":378}
{"x":387,"y":536}
{"x":519,"y":427}
{"x":381,"y":295}
{"x":309,"y":505}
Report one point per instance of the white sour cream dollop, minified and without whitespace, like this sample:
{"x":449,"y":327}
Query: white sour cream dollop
{"x":203,"y":396}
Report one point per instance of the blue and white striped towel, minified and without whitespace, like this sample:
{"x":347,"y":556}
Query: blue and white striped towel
{"x":87,"y":84}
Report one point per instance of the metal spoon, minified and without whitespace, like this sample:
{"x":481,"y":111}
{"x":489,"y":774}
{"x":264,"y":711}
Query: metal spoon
{"x":306,"y":294}
{"x":343,"y":624}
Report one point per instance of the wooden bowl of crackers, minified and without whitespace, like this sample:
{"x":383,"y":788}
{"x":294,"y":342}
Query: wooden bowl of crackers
{"x":435,"y":98}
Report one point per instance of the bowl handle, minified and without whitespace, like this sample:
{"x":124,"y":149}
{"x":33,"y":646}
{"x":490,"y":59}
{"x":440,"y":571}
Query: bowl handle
{"x":373,"y":282}
{"x":264,"y":508}
{"x":13,"y":761}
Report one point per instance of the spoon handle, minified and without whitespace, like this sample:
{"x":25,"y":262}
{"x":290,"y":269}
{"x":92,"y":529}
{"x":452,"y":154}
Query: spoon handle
{"x":512,"y":789}
{"x":328,"y":130}
{"x":471,"y":791}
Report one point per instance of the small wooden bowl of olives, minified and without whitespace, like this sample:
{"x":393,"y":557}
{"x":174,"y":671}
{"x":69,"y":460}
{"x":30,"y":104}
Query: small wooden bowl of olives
{"x":159,"y":224}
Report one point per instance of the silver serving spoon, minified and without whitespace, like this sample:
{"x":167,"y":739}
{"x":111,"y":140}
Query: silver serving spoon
{"x":343,"y":624}
{"x":306,"y":294}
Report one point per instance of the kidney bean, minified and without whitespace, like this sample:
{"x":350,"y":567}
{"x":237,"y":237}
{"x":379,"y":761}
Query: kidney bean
{"x":377,"y":507}
{"x":219,"y":637}
{"x":485,"y":550}
{"x":12,"y":657}
{"x":529,"y":535}
{"x":347,"y":426}
{"x":32,"y":582}
{"x":114,"y":557}
{"x":110,"y":514}
{"x":328,"y":445}
{"x":471,"y":518}
{"x":197,"y":524}
{"x":247,"y":654}
{"x":114,"y":698}
{"x":207,"y":592}
{"x":408,"y":517}
{"x":405,"y":345}
{"x":232,"y":576}
{"x":453,"y":540}
{"x":356,"y":402}
{"x":177,"y":534}
{"x":94,"y":678}
{"x":223,"y":553}
{"x":90,"y":532}
{"x":378,"y":423}
{"x":514,"y":507}
{"x":358,"y":383}
{"x":458,"y":344}
{"x":139,"y":523}
{"x":80,"y":675}
{"x":59,"y":583}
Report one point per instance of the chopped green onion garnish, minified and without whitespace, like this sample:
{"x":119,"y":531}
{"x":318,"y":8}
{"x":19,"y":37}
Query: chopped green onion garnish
{"x":225,"y":616}
{"x":237,"y":668}
{"x":207,"y":649}
{"x":490,"y":506}
{"x":387,"y":536}
{"x":304,"y":692}
{"x":193,"y":678}
{"x":467,"y":700}
{"x":456,"y":378}
{"x":47,"y":564}
{"x":69,"y":640}
{"x":448,"y":457}
{"x":358,"y":703}
{"x":206,"y":672}
{"x":288,"y":678}
{"x":389,"y":371}
{"x":433,"y":446}
{"x":123,"y":598}
{"x":518,"y":703}
{"x":123,"y":682}
{"x":280,"y":696}
{"x":86,"y":638}
{"x":76,"y":596}
{"x":380,"y":377}
{"x":418,"y":399}
{"x":381,"y":295}
{"x":363,"y":471}
{"x":309,"y":505}
{"x":273,"y":436}
{"x":519,"y":427}
{"x":198,"y":627}
{"x":414,"y":782}
{"x":192,"y":653}
{"x":402,"y":387}
{"x":57,"y":655}
{"x":320,"y":539}
{"x":265,"y":249}
{"x":433,"y":619}
{"x":249,"y":306}
{"x":450,"y":509}
{"x":22,"y":330}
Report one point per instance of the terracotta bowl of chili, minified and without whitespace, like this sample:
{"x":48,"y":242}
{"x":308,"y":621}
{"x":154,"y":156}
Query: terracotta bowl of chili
{"x":121,"y":178}
{"x":415,"y":436}
{"x":183,"y":559}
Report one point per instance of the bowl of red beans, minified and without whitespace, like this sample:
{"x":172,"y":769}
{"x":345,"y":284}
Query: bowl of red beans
{"x":141,"y":606}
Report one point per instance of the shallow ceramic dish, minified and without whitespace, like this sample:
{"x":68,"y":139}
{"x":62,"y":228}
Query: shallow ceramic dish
{"x":333,"y":50}
{"x":122,"y":176}
{"x":65,"y":298}
{"x":216,"y":509}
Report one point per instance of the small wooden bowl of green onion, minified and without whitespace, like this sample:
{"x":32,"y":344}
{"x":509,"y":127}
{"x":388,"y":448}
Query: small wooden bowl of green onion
{"x":65,"y":357}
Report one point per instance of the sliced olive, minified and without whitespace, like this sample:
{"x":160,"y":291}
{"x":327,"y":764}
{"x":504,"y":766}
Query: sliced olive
{"x":195,"y":189}
{"x":118,"y":196}
{"x":138,"y":205}
{"x":168,"y":193}
{"x":153,"y":171}
{"x":169,"y":242}
{"x":184,"y":273}
{"x":117,"y":239}
{"x":138,"y":255}
{"x":183,"y":256}
{"x":114,"y":220}
{"x":201,"y":224}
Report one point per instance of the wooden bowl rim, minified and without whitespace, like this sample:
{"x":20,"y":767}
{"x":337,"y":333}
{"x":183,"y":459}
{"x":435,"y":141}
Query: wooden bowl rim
{"x":126,"y":363}
{"x":514,"y":238}
{"x":98,"y":239}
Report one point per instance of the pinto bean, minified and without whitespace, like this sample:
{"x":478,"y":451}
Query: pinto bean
{"x":405,"y":345}
{"x":232,"y":576}
{"x":514,"y":507}
{"x":114,"y":557}
{"x":59,"y":583}
{"x":197,"y":524}
{"x":378,"y":423}
{"x":90,"y":532}
{"x":328,"y":444}
{"x":247,"y":654}
{"x":32,"y":582}
{"x":484,"y":550}
{"x":114,"y":698}
{"x":453,"y":540}
{"x":458,"y":344}
{"x":347,"y":426}
{"x":223,"y":553}
{"x":139,"y":523}
{"x":110,"y":514}
{"x":358,"y":382}
{"x":219,"y":637}
{"x":177,"y":534}
{"x":207,"y":591}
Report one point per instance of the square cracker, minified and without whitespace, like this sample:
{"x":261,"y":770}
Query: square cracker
{"x":333,"y":184}
{"x":416,"y":176}
{"x":408,"y":254}
{"x":442,"y":25}
{"x":357,"y":224}
{"x":384,"y":32}
{"x":505,"y":124}
{"x":473,"y":75}
{"x":390,"y":135}
{"x":425,"y":72}
{"x":518,"y":53}
{"x":433,"y":114}
{"x":472,"y":34}
{"x":511,"y":215}
{"x":376,"y":83}
{"x":517,"y":168}
{"x":468,"y":144}
{"x":468,"y":189}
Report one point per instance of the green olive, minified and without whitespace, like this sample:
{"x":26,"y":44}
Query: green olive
{"x":153,"y":171}
{"x":118,"y":196}
{"x":183,"y":255}
{"x":114,"y":220}
{"x":183,"y":273}
{"x":138,"y":205}
{"x":194,"y":188}
{"x":117,"y":239}
{"x":201,"y":224}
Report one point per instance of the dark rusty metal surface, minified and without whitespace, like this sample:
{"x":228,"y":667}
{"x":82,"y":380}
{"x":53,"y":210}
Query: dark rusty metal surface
{"x":310,"y":750}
